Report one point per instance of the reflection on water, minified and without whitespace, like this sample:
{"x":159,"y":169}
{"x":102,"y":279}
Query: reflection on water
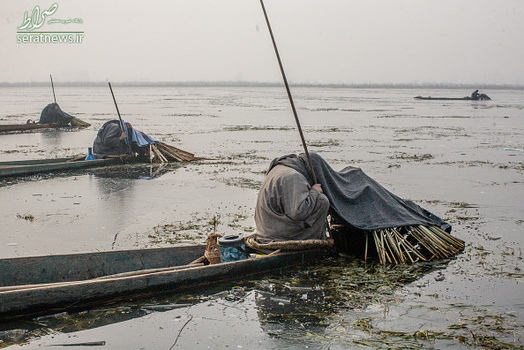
{"x":140,"y":171}
{"x":52,"y":139}
{"x":116,"y":194}
{"x":293,"y":306}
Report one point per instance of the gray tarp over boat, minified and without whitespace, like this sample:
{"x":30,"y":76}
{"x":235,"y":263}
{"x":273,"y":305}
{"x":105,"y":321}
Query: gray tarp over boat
{"x":108,"y":142}
{"x":356,"y":200}
{"x":52,"y":114}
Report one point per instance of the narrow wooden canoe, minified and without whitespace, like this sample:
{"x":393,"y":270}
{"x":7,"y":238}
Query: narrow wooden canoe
{"x":6,"y":128}
{"x":75,"y":123}
{"x":28,"y":167}
{"x":48,"y":284}
{"x":466,"y":98}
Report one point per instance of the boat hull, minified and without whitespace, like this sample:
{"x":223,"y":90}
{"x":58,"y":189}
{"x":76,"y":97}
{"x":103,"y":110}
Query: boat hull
{"x":29,"y":167}
{"x":466,"y":98}
{"x":40,"y":285}
{"x":75,"y":123}
{"x":444,"y":98}
{"x":25,"y":127}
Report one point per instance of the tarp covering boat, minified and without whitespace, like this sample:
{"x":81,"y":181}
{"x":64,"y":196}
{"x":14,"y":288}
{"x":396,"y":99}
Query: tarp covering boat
{"x":53,"y":114}
{"x":111,"y":141}
{"x":358,"y":201}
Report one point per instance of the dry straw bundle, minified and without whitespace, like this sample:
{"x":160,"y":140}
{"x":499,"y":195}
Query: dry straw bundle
{"x":413,"y":243}
{"x":398,"y":245}
{"x":79,"y":123}
{"x":164,"y":153}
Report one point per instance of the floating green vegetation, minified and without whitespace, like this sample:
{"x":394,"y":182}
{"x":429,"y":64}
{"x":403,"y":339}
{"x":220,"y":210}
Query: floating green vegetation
{"x":519,"y":166}
{"x":358,"y":284}
{"x":175,"y":237}
{"x":256,"y":128}
{"x":324,"y":143}
{"x":463,"y":205}
{"x":235,"y":219}
{"x":391,"y":116}
{"x":329,"y":129}
{"x":325,"y":109}
{"x":415,"y":157}
{"x":197,"y":228}
{"x":28,"y":217}
{"x":403,"y":140}
{"x":315,"y":303}
{"x":19,"y":336}
{"x":242,"y":182}
{"x":192,"y":231}
{"x":350,"y":283}
{"x":249,"y":155}
{"x":20,"y":150}
{"x":364,"y":324}
{"x":193,"y":115}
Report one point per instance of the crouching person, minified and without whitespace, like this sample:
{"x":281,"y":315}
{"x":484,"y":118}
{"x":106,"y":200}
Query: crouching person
{"x":289,"y":207}
{"x":111,"y":140}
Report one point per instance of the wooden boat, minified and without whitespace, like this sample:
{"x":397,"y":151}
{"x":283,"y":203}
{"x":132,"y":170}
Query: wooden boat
{"x":28,"y":167}
{"x":48,"y":284}
{"x":9,"y":128}
{"x":25,"y":127}
{"x":482,"y":97}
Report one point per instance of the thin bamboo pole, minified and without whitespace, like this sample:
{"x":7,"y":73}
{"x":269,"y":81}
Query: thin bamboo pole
{"x":289,"y":93}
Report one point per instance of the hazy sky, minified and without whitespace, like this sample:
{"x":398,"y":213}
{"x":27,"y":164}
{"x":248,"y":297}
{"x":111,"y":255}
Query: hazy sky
{"x":320,"y":41}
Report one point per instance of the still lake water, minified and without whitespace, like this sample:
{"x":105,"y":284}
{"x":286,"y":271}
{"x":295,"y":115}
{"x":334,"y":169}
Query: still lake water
{"x":462,"y":160}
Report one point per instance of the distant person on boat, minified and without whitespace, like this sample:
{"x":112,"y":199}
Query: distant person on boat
{"x":289,"y":207}
{"x":111,"y":140}
{"x":52,"y":114}
{"x":475,"y":95}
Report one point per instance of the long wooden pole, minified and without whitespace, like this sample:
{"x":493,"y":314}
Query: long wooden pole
{"x":119,"y":117}
{"x":289,"y":94}
{"x":53,"y":86}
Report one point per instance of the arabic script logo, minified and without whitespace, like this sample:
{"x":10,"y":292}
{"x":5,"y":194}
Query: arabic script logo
{"x":31,"y":31}
{"x":37,"y":19}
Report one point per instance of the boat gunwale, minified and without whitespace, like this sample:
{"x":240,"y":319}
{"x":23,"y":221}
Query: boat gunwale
{"x":28,"y":167}
{"x":15,"y":304}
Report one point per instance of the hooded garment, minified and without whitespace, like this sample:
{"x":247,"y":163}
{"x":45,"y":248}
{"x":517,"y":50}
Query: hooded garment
{"x":288,"y":208}
{"x":358,"y":201}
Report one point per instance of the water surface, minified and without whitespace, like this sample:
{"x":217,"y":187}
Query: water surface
{"x":462,"y":160}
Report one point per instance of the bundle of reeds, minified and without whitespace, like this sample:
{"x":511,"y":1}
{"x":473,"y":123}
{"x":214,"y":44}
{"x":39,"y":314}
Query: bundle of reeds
{"x":164,"y":153}
{"x":398,"y":245}
{"x":79,"y":123}
{"x":414,"y":243}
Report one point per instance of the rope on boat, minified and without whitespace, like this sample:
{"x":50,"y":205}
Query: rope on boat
{"x":289,"y":245}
